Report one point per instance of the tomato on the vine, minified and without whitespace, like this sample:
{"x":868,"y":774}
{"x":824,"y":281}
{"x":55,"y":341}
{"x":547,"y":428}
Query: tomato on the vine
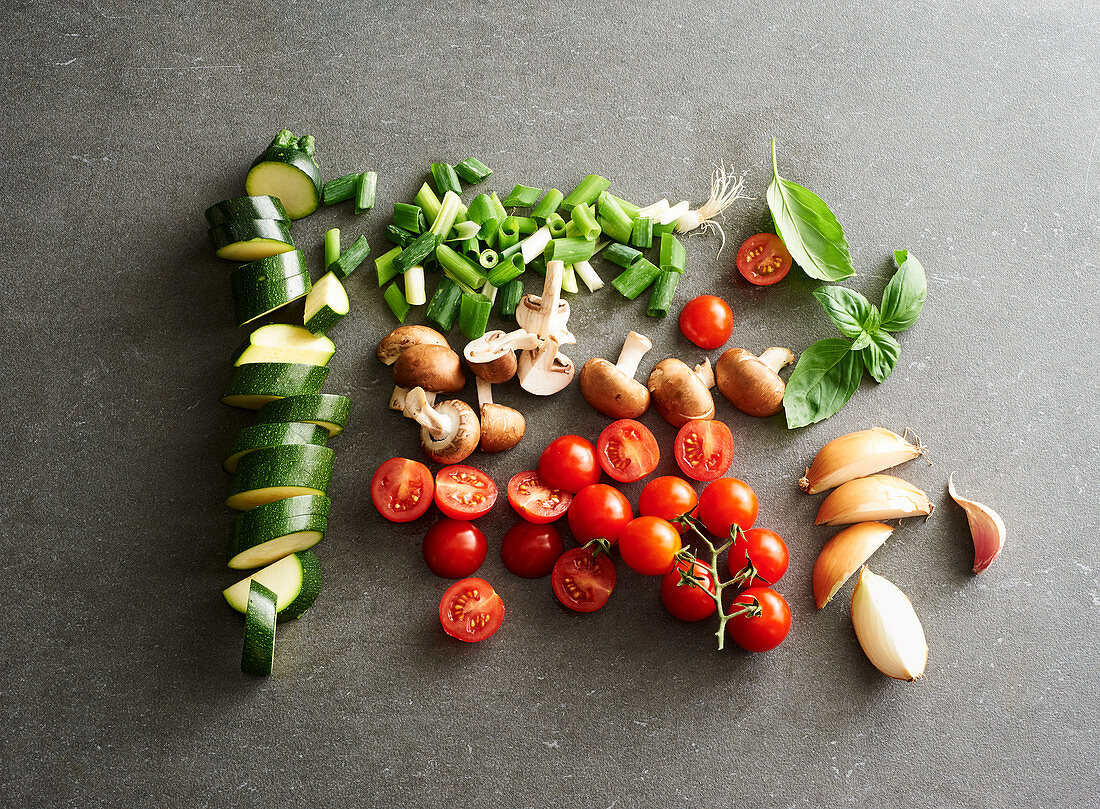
{"x":627,"y":450}
{"x":688,"y":602}
{"x":599,"y":511}
{"x":766,"y":552}
{"x":569,"y":463}
{"x":401,"y":489}
{"x":764,"y":624}
{"x":667,"y":497}
{"x":763,"y":259}
{"x":707,"y":321}
{"x":534,"y":500}
{"x":464,"y":493}
{"x":454,"y":548}
{"x":583,"y":579}
{"x":649,"y":545}
{"x":727,"y":501}
{"x":471,"y":610}
{"x":530,"y":550}
{"x":704,"y":449}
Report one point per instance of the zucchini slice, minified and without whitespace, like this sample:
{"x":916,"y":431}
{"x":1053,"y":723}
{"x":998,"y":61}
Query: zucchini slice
{"x":272,"y":473}
{"x":281,"y":511}
{"x":256,"y":384}
{"x":264,"y":543}
{"x":259,"y":207}
{"x":281,"y":342}
{"x":295,"y":580}
{"x":287,"y":170}
{"x":259,"y":436}
{"x":258,"y":654}
{"x":327,"y":410}
{"x":326,"y":304}
{"x":250,"y":239}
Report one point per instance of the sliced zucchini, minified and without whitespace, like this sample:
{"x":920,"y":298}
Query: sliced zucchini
{"x":269,"y":542}
{"x":272,"y":473}
{"x":327,"y":410}
{"x":295,"y":580}
{"x":250,"y":239}
{"x":259,"y":436}
{"x":326,"y":304}
{"x":259,"y":207}
{"x":281,"y":342}
{"x":262,"y":286}
{"x":256,"y":384}
{"x":281,"y":511}
{"x":287,"y":170}
{"x":258,"y":654}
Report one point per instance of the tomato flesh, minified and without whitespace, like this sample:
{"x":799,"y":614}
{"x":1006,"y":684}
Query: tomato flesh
{"x":763,"y":259}
{"x":704,"y":449}
{"x":464,"y":493}
{"x":627,"y":450}
{"x":686,"y":601}
{"x":569,"y":463}
{"x":531,"y":550}
{"x":471,"y":610}
{"x":534,"y":500}
{"x":759,"y":633}
{"x":648,"y":545}
{"x":766,"y":551}
{"x":599,"y":511}
{"x":707,"y":321}
{"x":727,"y":501}
{"x":583,"y":581}
{"x":401,"y":489}
{"x":454,"y":549}
{"x":667,"y":497}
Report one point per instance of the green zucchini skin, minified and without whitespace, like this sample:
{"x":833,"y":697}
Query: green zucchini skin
{"x":281,"y":511}
{"x":258,"y":654}
{"x":328,"y":410}
{"x":258,"y":290}
{"x":250,"y":239}
{"x":260,"y":436}
{"x":269,"y":542}
{"x":255,"y":384}
{"x":326,"y":305}
{"x":262,"y":206}
{"x":272,"y":473}
{"x":311,"y":587}
{"x":296,"y":153}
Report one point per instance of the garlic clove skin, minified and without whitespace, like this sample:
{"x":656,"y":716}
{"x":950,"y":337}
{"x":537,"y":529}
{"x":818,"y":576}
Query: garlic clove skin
{"x":856,"y":455}
{"x":987,"y":529}
{"x":843,"y":555}
{"x":888,"y":628}
{"x":877,"y":497}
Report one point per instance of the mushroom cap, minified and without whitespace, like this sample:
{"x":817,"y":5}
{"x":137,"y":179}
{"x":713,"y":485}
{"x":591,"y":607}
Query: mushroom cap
{"x":497,"y":370}
{"x":611,"y":391}
{"x":749,"y":385}
{"x":679,"y":394}
{"x":502,"y":427}
{"x":431,"y":367}
{"x":460,"y":442}
{"x":394,"y":344}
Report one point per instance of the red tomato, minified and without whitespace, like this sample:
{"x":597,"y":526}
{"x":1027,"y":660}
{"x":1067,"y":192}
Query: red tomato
{"x":707,"y":321}
{"x":704,"y":449}
{"x":534,"y":500}
{"x":583,"y":580}
{"x":667,"y":497}
{"x":727,"y":501}
{"x":763,"y":259}
{"x":766,"y":551}
{"x":464,"y":493}
{"x":599,"y":511}
{"x":454,"y":548}
{"x":763,"y":627}
{"x":531,"y":550}
{"x":401,"y":489}
{"x":649,"y":545}
{"x":569,"y":463}
{"x":686,"y":601}
{"x":627,"y":450}
{"x":471,"y":610}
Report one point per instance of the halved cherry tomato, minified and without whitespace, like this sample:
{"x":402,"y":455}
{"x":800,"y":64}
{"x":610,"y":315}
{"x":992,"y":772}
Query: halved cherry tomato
{"x":464,"y":493}
{"x":599,"y":511}
{"x":686,"y":601}
{"x":649,"y":545}
{"x":627,"y":450}
{"x":763,"y":259}
{"x":583,"y":579}
{"x":766,"y":551}
{"x":704,"y":449}
{"x":569,"y":463}
{"x":471,"y":610}
{"x":707,"y":321}
{"x":759,"y":633}
{"x":534,"y":500}
{"x":531,"y":550}
{"x":667,"y":497}
{"x":454,"y":548}
{"x":727,"y":501}
{"x":401,"y":489}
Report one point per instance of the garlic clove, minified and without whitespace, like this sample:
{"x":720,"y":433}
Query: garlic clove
{"x":877,"y":497}
{"x":843,"y":555}
{"x":856,"y":455}
{"x":986,"y":528}
{"x":888,"y":628}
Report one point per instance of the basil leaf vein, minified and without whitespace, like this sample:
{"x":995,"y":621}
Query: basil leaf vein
{"x":881,"y":355}
{"x":904,"y":296}
{"x":850,"y":312}
{"x":826,"y":376}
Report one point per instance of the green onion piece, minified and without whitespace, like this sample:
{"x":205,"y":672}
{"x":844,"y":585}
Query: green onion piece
{"x":428,"y":202}
{"x":629,"y":208}
{"x":585,"y":220}
{"x":621,"y":254}
{"x":556,"y":225}
{"x":364,"y":191}
{"x":481,"y":209}
{"x":588,"y":275}
{"x":533,"y":246}
{"x":396,"y":301}
{"x":571,"y":250}
{"x":417,"y":252}
{"x":522,"y":196}
{"x":473,"y":314}
{"x":660,"y":230}
{"x":588,"y":190}
{"x":445,"y":178}
{"x":506,"y":270}
{"x":458,"y":267}
{"x":399,"y":236}
{"x":383,"y":265}
{"x":350,"y":258}
{"x":488,"y":258}
{"x":613,"y":219}
{"x":547,"y":205}
{"x":443,"y":307}
{"x":414,"y":285}
{"x":642,"y":233}
{"x":472,"y":170}
{"x":340,"y":189}
{"x":673,"y":256}
{"x":498,"y":207}
{"x":636,"y":279}
{"x":538,"y":265}
{"x":508,"y":252}
{"x":660,"y":299}
{"x":508,"y":234}
{"x":613,"y":230}
{"x":568,"y":279}
{"x":332,"y":246}
{"x":465,"y":231}
{"x":509,"y":297}
{"x":448,"y":214}
{"x":408,"y":217}
{"x":527,"y":224}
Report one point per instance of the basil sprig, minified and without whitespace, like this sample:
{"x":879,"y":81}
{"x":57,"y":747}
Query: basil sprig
{"x":829,"y":371}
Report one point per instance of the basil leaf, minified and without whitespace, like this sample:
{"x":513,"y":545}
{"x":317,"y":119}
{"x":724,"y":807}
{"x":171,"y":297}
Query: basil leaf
{"x":827,"y":374}
{"x":808,"y":228}
{"x":852,"y":313}
{"x":904,"y":296}
{"x":881,"y":355}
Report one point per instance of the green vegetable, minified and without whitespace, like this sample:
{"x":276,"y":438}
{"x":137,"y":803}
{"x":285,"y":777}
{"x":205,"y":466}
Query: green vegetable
{"x":571,"y":250}
{"x":408,"y":217}
{"x":351,"y":258}
{"x":445,"y":178}
{"x":506,"y":270}
{"x":673,"y":256}
{"x":636,"y":279}
{"x":522,"y":196}
{"x":509,"y":297}
{"x":642,"y":233}
{"x":332,"y":246}
{"x":400,"y":236}
{"x":264,"y":285}
{"x":585,"y":221}
{"x":383,"y":266}
{"x":340,"y":189}
{"x":326,"y":304}
{"x":364,"y":191}
{"x":904,"y":296}
{"x":255,"y":384}
{"x":629,"y":208}
{"x":588,"y":190}
{"x":827,"y":374}
{"x":472,"y":170}
{"x":547,"y":205}
{"x":621,"y":254}
{"x":556,"y":224}
{"x":473,"y":314}
{"x":294,"y":580}
{"x":448,"y":214}
{"x":508,"y":233}
{"x":287,"y":169}
{"x":443,"y":307}
{"x":256,"y":544}
{"x":282,"y":342}
{"x":272,"y":473}
{"x":395,"y":299}
{"x":660,"y":299}
{"x":270,"y":435}
{"x":527,"y":225}
{"x":458,"y":267}
{"x":258,"y":654}
{"x":327,"y":410}
{"x":416,"y":252}
{"x":258,"y":207}
{"x":250,"y":239}
{"x":428,"y":202}
{"x":488,"y":259}
{"x":613,"y":219}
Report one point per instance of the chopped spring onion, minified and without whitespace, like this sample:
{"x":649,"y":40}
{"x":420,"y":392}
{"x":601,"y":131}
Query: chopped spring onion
{"x":443,"y":307}
{"x":472,"y":170}
{"x":408,"y":217}
{"x":428,"y":202}
{"x":508,"y":269}
{"x":673,"y":214}
{"x":350,"y":258}
{"x":654,"y":210}
{"x":481,"y":209}
{"x":473,"y":314}
{"x":397,"y":303}
{"x":510,"y":294}
{"x":557,"y":225}
{"x":491,"y":291}
{"x":588,"y":191}
{"x":570,"y":251}
{"x":629,"y":208}
{"x":621,"y":254}
{"x":613,"y":219}
{"x":458,"y":267}
{"x":585,"y":220}
{"x":533,"y":245}
{"x":642,"y":233}
{"x":661,"y":230}
{"x":584,"y":271}
{"x":660,"y":299}
{"x":364,"y":191}
{"x":399,"y":236}
{"x":445,"y":178}
{"x":547,"y":205}
{"x":340,"y":189}
{"x":673,"y":256}
{"x":448,"y":214}
{"x":538,"y":265}
{"x":488,"y":258}
{"x":522,"y":196}
{"x":498,"y":207}
{"x":508,"y":252}
{"x":417,"y":252}
{"x":414,"y":286}
{"x":383,"y":265}
{"x":527,"y":225}
{"x":508,"y":234}
{"x":465,"y":231}
{"x":568,"y":279}
{"x":332,"y":246}
{"x":636,"y":279}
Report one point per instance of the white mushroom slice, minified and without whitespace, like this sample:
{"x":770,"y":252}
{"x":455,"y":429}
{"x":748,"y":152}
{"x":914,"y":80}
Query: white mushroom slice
{"x":545,"y":371}
{"x":495,"y":344}
{"x":397,"y":399}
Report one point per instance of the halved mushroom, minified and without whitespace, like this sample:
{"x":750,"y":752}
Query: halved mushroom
{"x":502,"y":427}
{"x":492,"y":356}
{"x":394,"y":344}
{"x":530,"y":318}
{"x":612,"y":389}
{"x":449,"y":432}
{"x":544,"y":370}
{"x":681,"y":394}
{"x":434,"y":368}
{"x":752,"y":384}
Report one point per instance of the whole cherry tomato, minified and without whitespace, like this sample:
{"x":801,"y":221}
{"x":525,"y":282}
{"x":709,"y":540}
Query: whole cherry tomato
{"x":599,"y":511}
{"x":727,"y":501}
{"x":649,"y":545}
{"x":765,"y":621}
{"x":686,"y":601}
{"x":762,"y":549}
{"x":569,"y":463}
{"x":707,"y":321}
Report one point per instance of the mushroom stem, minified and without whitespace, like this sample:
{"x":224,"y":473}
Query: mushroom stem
{"x":518,"y":339}
{"x":634,"y":348}
{"x":551,"y":294}
{"x":438,"y":425}
{"x":705,"y":373}
{"x":777,"y":358}
{"x":397,"y":398}
{"x":484,"y":392}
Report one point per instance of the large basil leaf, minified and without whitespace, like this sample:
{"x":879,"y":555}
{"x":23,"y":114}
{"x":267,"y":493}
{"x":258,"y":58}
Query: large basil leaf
{"x":827,"y":374}
{"x":852,"y":313}
{"x":904,"y":296}
{"x":881,"y":355}
{"x":808,"y":228}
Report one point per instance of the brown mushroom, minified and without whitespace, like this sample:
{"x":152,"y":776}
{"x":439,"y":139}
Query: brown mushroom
{"x":449,"y":432}
{"x":681,"y":394}
{"x":431,"y":367}
{"x":502,"y":427}
{"x":752,"y":384}
{"x":395,"y":343}
{"x":492,"y":356}
{"x":612,"y":389}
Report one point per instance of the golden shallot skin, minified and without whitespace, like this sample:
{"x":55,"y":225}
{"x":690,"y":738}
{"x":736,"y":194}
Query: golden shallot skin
{"x":877,"y":497}
{"x":888,"y":628}
{"x":855,"y":455}
{"x":987,"y":529}
{"x":843,"y":555}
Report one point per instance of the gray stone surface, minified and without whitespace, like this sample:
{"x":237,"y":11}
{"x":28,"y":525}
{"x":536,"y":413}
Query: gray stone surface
{"x":966,"y":133}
